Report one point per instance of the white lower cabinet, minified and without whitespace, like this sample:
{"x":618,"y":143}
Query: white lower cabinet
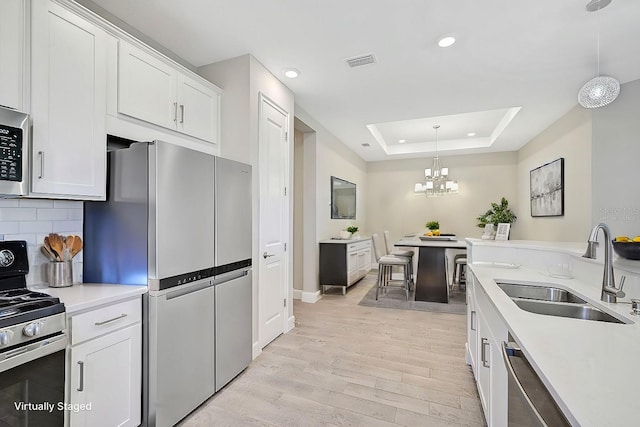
{"x":104,"y":385}
{"x":485,"y":334}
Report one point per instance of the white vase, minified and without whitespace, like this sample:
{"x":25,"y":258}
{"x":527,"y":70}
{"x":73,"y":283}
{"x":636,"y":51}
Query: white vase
{"x":344,"y":234}
{"x":489,"y":232}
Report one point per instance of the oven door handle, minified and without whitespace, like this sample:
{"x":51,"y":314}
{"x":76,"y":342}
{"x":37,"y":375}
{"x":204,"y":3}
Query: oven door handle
{"x":521,"y":390}
{"x":19,"y":356}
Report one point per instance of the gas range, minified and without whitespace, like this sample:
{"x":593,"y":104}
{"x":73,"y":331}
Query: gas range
{"x":25,"y":315}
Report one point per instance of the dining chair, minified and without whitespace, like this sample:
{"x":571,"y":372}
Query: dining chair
{"x":385,"y":266}
{"x":390,"y":250}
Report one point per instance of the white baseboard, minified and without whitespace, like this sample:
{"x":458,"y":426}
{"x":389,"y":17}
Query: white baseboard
{"x":255,"y":350}
{"x":291,"y":323}
{"x":311,"y":297}
{"x":297,"y":294}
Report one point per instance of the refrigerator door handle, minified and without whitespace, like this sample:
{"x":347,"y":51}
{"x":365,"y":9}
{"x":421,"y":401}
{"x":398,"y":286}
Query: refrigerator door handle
{"x":232,"y":275}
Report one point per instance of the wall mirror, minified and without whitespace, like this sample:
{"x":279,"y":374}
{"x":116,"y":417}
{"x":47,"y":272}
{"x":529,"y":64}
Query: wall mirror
{"x":343,"y":199}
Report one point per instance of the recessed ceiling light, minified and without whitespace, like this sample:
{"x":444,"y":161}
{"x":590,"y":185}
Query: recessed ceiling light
{"x":446,"y":41}
{"x":471,"y":134}
{"x":292,"y":73}
{"x":402,"y":141}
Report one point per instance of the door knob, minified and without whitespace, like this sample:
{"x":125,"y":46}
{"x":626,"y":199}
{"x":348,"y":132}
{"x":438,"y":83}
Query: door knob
{"x":265,"y":255}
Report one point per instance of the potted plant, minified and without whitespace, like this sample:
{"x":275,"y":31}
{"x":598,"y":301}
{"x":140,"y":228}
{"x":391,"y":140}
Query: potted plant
{"x":499,"y":213}
{"x":348,"y":233}
{"x":434,"y":228}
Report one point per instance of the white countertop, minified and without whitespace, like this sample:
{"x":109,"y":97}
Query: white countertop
{"x":592,"y":368}
{"x":345,"y":241}
{"x":417,"y":243}
{"x":85,"y":296}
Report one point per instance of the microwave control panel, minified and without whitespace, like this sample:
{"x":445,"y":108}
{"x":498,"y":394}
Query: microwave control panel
{"x":10,"y":153}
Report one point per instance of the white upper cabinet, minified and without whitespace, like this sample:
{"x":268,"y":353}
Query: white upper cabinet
{"x":154,"y":90}
{"x":13,"y":52}
{"x":146,"y":87}
{"x":68,"y":105}
{"x":198,"y":109}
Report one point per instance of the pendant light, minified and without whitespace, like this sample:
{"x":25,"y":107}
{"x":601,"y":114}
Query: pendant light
{"x":437,"y":182}
{"x":601,"y":90}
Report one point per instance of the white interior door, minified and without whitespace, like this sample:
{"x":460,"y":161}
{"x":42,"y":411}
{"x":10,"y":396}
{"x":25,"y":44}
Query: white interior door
{"x":274,"y":219}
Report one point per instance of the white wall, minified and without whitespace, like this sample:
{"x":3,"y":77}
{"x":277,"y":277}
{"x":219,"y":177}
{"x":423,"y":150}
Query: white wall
{"x":616,"y":162}
{"x":483,"y":178}
{"x":33,"y":219}
{"x":325,"y":156}
{"x":298,"y":210}
{"x":569,"y":137}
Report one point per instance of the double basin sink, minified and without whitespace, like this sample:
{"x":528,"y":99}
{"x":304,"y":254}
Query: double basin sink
{"x":544,"y":298}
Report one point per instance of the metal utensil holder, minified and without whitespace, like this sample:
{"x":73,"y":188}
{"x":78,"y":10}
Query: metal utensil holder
{"x":60,"y":274}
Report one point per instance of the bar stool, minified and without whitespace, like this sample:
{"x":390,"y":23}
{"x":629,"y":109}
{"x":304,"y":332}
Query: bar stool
{"x":460,"y":270}
{"x":408,"y":253}
{"x":385,"y":267}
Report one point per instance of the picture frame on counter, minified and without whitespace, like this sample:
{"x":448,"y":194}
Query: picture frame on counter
{"x":503,"y":231}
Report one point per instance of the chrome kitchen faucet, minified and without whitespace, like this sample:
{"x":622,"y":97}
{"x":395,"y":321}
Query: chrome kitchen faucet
{"x":609,"y":291}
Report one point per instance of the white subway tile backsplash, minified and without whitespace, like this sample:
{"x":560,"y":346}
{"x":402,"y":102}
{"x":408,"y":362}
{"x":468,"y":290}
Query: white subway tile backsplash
{"x":32,"y":220}
{"x":18,"y":214}
{"x":9,"y":227}
{"x":53,"y":214}
{"x":9,"y":203}
{"x":36,"y":227}
{"x":69,"y":204}
{"x":35,"y":203}
{"x":75,"y":214}
{"x":68,"y":227}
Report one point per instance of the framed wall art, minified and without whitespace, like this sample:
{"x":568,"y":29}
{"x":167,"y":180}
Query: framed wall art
{"x":547,"y":189}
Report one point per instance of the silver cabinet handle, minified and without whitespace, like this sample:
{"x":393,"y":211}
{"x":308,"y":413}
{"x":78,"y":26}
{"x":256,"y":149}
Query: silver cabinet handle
{"x":81,"y":385}
{"x":265,"y":255}
{"x":41,"y":154}
{"x":483,"y":353}
{"x":473,"y":312}
{"x":122,"y":316}
{"x":175,"y":112}
{"x":181,"y":113}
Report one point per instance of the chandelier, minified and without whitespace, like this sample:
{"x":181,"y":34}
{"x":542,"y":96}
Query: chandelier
{"x":436,"y":179}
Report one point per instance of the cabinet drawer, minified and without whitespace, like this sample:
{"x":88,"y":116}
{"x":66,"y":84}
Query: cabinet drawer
{"x":103,"y":320}
{"x":359,"y":246}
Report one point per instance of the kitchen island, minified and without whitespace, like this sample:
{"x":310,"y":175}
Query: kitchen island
{"x":589,"y":367}
{"x":431,"y":279}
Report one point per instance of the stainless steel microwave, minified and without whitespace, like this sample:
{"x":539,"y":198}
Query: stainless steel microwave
{"x":14,"y":153}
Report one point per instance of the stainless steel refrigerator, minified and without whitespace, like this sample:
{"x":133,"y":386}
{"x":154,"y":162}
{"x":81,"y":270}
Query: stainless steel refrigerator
{"x":158,"y":228}
{"x":232,"y":280}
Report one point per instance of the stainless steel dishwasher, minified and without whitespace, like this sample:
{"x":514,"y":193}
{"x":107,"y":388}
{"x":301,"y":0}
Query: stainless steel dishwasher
{"x":233,"y":324}
{"x":530,"y":403}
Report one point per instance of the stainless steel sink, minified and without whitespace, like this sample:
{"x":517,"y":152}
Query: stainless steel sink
{"x":539,"y":292}
{"x":572,"y":310}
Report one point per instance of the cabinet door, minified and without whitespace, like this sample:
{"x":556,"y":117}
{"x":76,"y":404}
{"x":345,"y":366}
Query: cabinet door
{"x":198,"y":107}
{"x":146,"y":87}
{"x":12,"y":53}
{"x":68,"y":104}
{"x":472,"y":326}
{"x":106,"y":373}
{"x":484,"y":363}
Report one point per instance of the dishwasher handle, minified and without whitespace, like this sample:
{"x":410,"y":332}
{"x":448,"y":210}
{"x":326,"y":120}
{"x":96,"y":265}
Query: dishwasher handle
{"x":516,"y":352}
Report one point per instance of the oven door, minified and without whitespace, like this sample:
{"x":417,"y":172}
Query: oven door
{"x":32,"y":384}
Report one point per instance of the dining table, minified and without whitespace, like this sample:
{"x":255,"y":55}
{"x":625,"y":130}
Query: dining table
{"x":431,"y":275}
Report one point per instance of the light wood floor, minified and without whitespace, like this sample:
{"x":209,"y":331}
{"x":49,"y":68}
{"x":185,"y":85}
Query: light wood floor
{"x":348,"y":365}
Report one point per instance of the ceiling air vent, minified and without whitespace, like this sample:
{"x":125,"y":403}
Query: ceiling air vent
{"x":358,"y":61}
{"x":366,"y":144}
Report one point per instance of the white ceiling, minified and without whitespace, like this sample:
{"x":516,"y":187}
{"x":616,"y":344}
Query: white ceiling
{"x":535,"y":55}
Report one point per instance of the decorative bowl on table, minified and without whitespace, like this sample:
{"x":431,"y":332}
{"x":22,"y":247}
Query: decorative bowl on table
{"x":628,"y":250}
